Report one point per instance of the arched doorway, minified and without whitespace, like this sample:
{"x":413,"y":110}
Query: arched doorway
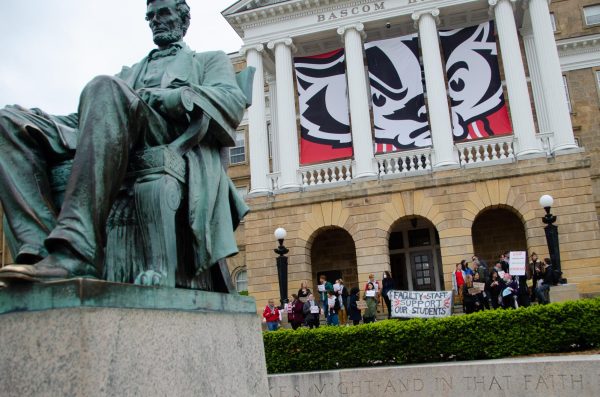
{"x":415,"y":257}
{"x":497,"y":230}
{"x":333,"y":254}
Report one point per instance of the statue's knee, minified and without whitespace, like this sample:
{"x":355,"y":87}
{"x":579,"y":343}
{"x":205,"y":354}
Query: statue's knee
{"x":99,"y":83}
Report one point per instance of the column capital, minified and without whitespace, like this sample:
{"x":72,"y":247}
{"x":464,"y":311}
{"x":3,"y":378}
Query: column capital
{"x":494,"y":3}
{"x":287,"y":41}
{"x":256,"y":47}
{"x":359,"y":27}
{"x":434,"y":12}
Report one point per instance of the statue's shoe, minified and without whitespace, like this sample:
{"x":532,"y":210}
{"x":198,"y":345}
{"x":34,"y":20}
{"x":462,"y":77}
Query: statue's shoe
{"x":33,"y":273}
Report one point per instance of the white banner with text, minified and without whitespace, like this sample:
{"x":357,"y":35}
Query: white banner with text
{"x":424,"y":304}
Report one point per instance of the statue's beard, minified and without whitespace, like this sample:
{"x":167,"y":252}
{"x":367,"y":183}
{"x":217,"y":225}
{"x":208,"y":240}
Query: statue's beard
{"x":166,"y":38}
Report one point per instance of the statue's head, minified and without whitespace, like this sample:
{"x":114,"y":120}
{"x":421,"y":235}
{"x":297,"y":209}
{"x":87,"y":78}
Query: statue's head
{"x":168,"y":19}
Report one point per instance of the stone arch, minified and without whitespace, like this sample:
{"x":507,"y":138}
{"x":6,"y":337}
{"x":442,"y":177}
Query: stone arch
{"x":496,"y":229}
{"x":415,"y":257}
{"x":410,"y":203}
{"x":332,"y":252}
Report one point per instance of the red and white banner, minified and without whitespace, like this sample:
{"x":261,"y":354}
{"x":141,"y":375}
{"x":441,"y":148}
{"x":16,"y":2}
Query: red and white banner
{"x":399,"y":112}
{"x":474,"y":85}
{"x":324,"y":114}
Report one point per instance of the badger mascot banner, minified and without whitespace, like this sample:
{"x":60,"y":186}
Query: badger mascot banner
{"x":399,"y":112}
{"x":475,"y":88}
{"x":324,"y":116}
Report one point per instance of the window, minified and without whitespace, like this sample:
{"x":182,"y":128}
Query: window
{"x":553,"y":19}
{"x":591,"y":15}
{"x":237,"y":154}
{"x":419,"y":238}
{"x":241,"y":280}
{"x":568,"y":97}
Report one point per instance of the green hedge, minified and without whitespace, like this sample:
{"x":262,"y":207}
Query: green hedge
{"x":558,"y":327}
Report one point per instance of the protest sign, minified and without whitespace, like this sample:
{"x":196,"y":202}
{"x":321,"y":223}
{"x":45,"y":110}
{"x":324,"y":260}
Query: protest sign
{"x":423,"y":304}
{"x":479,"y":286}
{"x":518,"y":260}
{"x":361,"y":305}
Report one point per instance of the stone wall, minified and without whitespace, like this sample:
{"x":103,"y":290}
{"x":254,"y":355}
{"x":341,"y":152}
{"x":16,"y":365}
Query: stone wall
{"x":451,"y":200}
{"x":532,"y":377}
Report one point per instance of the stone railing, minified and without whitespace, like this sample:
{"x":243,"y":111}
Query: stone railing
{"x":487,"y":151}
{"x":326,"y":173}
{"x":404,"y":163}
{"x":274,"y":179}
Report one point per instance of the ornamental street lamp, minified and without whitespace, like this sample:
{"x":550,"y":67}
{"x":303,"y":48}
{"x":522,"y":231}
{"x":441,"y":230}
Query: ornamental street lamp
{"x":551,"y":230}
{"x":282,"y":266}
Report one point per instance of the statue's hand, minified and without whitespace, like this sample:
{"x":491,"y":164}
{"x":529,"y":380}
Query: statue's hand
{"x":149,"y":277}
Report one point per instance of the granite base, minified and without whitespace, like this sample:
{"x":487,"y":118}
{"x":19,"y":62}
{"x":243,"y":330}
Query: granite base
{"x":92,"y":338}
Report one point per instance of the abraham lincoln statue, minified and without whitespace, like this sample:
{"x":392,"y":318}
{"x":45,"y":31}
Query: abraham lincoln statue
{"x":138,"y":108}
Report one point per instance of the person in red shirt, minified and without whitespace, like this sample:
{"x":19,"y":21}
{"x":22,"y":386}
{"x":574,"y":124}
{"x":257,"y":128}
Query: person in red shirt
{"x":271,"y":316}
{"x":458,"y":280}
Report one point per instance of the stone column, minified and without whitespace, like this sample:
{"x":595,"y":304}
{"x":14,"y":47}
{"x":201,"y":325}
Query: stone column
{"x":439,"y":114}
{"x":360,"y":118}
{"x":286,"y":113}
{"x":257,"y":123}
{"x":536,"y":81}
{"x":516,"y":83}
{"x":272,"y":83}
{"x":551,"y":75}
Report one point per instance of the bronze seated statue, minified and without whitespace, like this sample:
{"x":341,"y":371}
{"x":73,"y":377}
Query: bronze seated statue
{"x":133,"y":187}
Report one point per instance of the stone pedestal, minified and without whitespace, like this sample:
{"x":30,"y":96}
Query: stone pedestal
{"x":564,"y":292}
{"x":93,"y":338}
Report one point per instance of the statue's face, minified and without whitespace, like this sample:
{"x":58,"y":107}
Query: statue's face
{"x":164,"y":21}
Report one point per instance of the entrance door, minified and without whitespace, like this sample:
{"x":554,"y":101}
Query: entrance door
{"x":422,"y":271}
{"x":398,"y":266}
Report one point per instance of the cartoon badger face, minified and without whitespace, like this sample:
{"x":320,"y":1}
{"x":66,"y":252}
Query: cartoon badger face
{"x":475,"y":87}
{"x":399,"y":110}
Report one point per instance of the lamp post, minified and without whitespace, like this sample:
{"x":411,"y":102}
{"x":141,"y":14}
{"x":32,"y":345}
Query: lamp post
{"x":551,"y":230}
{"x":282,"y":265}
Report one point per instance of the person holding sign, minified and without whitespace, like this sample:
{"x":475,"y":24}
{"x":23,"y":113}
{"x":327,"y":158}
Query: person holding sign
{"x":494,"y":288}
{"x":311,"y":312}
{"x":333,"y":306}
{"x":353,"y":310}
{"x":371,"y":299}
{"x":271,"y":316}
{"x":296,"y":312}
{"x":323,"y":287}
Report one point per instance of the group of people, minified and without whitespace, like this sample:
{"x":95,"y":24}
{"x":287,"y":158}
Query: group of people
{"x":338,"y":305}
{"x":480,"y":287}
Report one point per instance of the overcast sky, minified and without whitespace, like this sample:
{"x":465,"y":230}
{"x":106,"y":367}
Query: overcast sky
{"x":51,"y":48}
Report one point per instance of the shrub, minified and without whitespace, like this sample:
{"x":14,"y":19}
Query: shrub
{"x":558,"y":327}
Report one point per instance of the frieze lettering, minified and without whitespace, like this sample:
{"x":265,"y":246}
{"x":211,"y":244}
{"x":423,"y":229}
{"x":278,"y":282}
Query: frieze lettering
{"x":347,"y":12}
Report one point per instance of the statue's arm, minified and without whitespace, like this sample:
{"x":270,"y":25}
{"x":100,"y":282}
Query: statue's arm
{"x":219,"y":96}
